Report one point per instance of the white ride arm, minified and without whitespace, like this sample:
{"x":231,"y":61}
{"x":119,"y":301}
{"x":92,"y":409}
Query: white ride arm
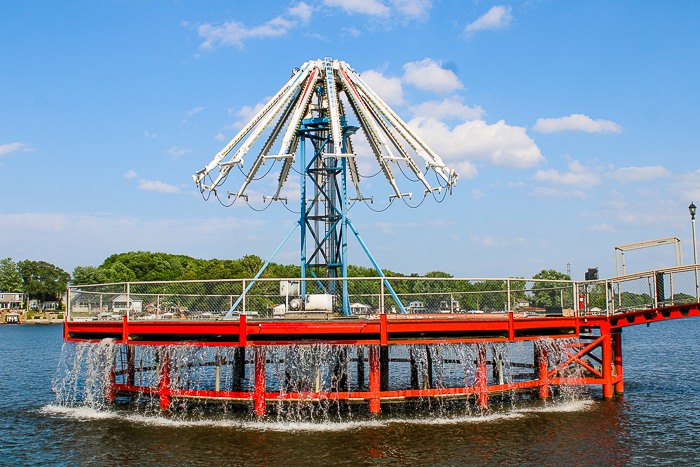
{"x":372,"y":132}
{"x":422,"y":149}
{"x":299,"y":112}
{"x":199,"y":176}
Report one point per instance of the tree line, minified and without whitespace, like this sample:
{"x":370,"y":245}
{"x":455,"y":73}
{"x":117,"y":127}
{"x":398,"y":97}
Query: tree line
{"x":46,"y":282}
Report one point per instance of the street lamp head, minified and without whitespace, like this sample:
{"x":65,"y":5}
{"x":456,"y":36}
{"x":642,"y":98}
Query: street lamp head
{"x":692,"y":209}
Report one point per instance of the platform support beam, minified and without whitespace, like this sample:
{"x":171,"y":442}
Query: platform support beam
{"x":164,"y":379}
{"x":617,"y":348}
{"x":413,"y":369}
{"x":238,"y":370}
{"x":542,"y":368}
{"x":374,"y":384}
{"x":110,"y":394}
{"x":360,"y":367}
{"x":130,"y":366}
{"x":606,"y":348}
{"x":384,"y":367}
{"x":481,"y":378}
{"x":259,"y":394}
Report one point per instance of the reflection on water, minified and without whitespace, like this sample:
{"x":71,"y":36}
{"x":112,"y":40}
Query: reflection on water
{"x":654,"y":424}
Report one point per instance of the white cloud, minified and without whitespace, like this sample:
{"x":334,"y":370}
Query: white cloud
{"x":417,"y":9}
{"x":498,"y":17}
{"x":477,"y":194}
{"x":69,"y":240}
{"x":246,"y":113}
{"x":353,"y":31}
{"x":606,"y":228}
{"x":487,"y":241}
{"x":556,"y":193}
{"x":177,"y":151}
{"x":389,"y":89}
{"x":160,"y":187}
{"x":428,"y":75}
{"x":233,"y":33}
{"x":450,"y":107}
{"x":626,"y":175}
{"x":498,"y":144}
{"x":367,"y":7}
{"x":219,"y":137}
{"x":301,"y":11}
{"x":196,"y":110}
{"x":687,"y":187}
{"x":14,"y":147}
{"x":576,"y":122}
{"x":578,"y":176}
{"x":130,"y":174}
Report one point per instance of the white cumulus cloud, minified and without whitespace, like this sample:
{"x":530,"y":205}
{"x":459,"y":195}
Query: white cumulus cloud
{"x":576,"y":122}
{"x":557,"y":193}
{"x":233,"y":33}
{"x":367,"y":7}
{"x":177,"y":151}
{"x":157,"y":186}
{"x":497,"y":17}
{"x":498,"y":144}
{"x":389,"y":89}
{"x":626,"y":175}
{"x":428,"y":75}
{"x":14,"y":147}
{"x":578,"y":176}
{"x":450,"y":107}
{"x":196,"y":110}
{"x":417,"y":9}
{"x":130,"y":174}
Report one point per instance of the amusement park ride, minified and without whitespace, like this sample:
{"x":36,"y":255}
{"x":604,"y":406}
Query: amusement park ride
{"x":308,"y":128}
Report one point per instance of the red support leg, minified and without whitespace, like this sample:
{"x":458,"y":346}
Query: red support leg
{"x":164,"y":377}
{"x":130,"y":366}
{"x":110,"y":394}
{"x":606,"y":346}
{"x":617,"y":343}
{"x":259,"y":395}
{"x":542,"y":363}
{"x":374,"y":379}
{"x":481,"y":378}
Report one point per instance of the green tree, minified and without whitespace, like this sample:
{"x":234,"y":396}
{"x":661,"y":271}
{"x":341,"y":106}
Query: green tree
{"x":89,"y":275}
{"x":42,"y":280}
{"x":10,"y":279}
{"x":550,"y":298}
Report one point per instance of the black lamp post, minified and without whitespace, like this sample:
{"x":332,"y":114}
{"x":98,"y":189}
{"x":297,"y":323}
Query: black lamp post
{"x":692,"y":209}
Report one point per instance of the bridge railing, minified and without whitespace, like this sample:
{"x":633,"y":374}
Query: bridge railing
{"x":651,"y":289}
{"x":309,"y":297}
{"x":323,"y":297}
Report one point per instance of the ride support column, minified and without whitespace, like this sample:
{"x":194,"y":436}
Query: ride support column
{"x":259,"y":394}
{"x":374,"y":379}
{"x":481,"y":378}
{"x":617,"y":360}
{"x":164,"y":380}
{"x":606,"y":347}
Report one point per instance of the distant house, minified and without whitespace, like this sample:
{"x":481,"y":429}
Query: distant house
{"x":359,"y":308}
{"x":119,"y":304}
{"x":10,"y":301}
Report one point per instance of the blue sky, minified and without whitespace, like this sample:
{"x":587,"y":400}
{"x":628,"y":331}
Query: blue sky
{"x":573,"y":125}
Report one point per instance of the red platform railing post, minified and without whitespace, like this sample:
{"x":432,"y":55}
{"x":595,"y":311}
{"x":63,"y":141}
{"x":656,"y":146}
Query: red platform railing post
{"x":374,"y":379}
{"x":164,"y":378}
{"x":617,"y":345}
{"x":259,"y":394}
{"x":481,"y":377}
{"x":542,"y":365}
{"x":606,"y":346}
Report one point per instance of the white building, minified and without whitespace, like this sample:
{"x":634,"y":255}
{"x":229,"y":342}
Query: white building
{"x":11,"y":300}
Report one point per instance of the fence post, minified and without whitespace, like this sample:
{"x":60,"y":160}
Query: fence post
{"x":607,"y":298}
{"x":508,"y":294}
{"x":577,"y":310}
{"x":381,"y":296}
{"x":68,"y":303}
{"x":243,"y":296}
{"x":128,"y":299}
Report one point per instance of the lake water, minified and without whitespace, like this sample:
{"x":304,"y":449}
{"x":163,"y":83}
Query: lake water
{"x":656,"y":423}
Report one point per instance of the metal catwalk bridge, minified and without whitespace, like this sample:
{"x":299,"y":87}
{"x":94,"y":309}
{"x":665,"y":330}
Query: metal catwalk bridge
{"x":581,"y":320}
